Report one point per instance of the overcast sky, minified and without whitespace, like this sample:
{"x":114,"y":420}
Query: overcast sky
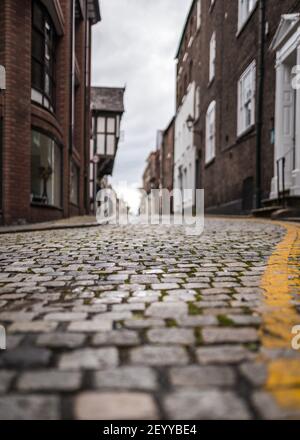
{"x":135,"y":45}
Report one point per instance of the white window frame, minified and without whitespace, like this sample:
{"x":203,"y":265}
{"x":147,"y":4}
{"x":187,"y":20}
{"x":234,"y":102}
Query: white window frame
{"x":210,"y":144}
{"x":246,"y":7}
{"x":248,"y":77}
{"x":199,"y":12}
{"x":197,"y":102}
{"x":212,"y":56}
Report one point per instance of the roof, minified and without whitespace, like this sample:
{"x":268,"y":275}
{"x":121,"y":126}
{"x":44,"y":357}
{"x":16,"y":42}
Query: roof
{"x":286,"y":25}
{"x":94,"y":11}
{"x":109,"y":99}
{"x":185,"y":28}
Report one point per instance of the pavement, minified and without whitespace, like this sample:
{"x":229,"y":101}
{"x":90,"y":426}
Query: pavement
{"x":67,"y":223}
{"x":145,"y":322}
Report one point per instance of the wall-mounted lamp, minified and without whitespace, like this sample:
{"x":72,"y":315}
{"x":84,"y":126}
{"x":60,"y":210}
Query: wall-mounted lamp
{"x":190,"y":122}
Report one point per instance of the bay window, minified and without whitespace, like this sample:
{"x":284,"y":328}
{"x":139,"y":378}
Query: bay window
{"x":107,"y":131}
{"x":43,"y":58}
{"x":46,"y":170}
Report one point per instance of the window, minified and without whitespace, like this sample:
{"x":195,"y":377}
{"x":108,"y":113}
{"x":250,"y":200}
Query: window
{"x":246,"y":99}
{"x":198,"y":14}
{"x":190,"y":71}
{"x":46,"y":170}
{"x":212,"y":57}
{"x":74,"y":183}
{"x":197,"y":103}
{"x":43,"y":58}
{"x":246,"y":7}
{"x":210,"y":146}
{"x":106,"y":135}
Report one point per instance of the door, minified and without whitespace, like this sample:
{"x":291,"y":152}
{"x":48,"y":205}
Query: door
{"x":288,"y":129}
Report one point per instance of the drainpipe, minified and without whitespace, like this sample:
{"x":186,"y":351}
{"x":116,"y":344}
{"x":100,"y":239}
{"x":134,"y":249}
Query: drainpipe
{"x":260,"y":97}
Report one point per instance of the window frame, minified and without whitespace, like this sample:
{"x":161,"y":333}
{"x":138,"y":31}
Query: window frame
{"x":106,"y":133}
{"x":242,"y":126}
{"x":59,"y":148}
{"x":212,"y":56}
{"x":47,"y":60}
{"x":210,"y":141}
{"x":244,"y":13}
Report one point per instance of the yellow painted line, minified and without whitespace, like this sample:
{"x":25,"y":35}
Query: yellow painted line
{"x":280,"y":280}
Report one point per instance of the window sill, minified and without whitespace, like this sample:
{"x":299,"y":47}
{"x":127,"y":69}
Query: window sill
{"x":244,"y":25}
{"x":210,"y":162}
{"x":42,"y":205}
{"x":42,"y":107}
{"x":210,"y":83}
{"x":245,"y":133}
{"x":211,"y":8}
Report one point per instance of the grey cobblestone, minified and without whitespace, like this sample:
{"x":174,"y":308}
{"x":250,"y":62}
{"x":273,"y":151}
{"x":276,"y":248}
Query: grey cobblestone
{"x":135,"y":378}
{"x":163,"y":355}
{"x":202,"y":377}
{"x":115,"y":406}
{"x":89,"y":359}
{"x":209,"y":405}
{"x":136,"y":322}
{"x":49,"y":380}
{"x":29,"y":407}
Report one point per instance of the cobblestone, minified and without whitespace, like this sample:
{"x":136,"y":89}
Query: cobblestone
{"x":136,"y":323}
{"x":115,"y":406}
{"x":136,"y":378}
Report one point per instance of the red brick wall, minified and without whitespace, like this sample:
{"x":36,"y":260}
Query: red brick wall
{"x":235,"y":157}
{"x":21,"y":114}
{"x":167,"y":157}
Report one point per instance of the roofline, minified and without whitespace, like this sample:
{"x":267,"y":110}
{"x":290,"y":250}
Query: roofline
{"x":169,"y":125}
{"x":184,"y":28}
{"x":107,"y":87}
{"x":97,"y":11}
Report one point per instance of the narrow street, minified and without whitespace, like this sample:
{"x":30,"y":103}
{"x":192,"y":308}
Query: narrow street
{"x":147,"y":323}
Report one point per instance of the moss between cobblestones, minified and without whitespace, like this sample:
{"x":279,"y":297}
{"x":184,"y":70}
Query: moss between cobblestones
{"x":171,"y":323}
{"x":224,"y":321}
{"x":198,"y":336}
{"x":194,"y":310}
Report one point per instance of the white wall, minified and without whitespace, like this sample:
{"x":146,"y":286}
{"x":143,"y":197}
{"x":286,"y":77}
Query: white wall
{"x":185,"y":152}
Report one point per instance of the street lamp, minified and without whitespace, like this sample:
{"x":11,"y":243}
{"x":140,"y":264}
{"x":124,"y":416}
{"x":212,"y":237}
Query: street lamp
{"x":190,"y":122}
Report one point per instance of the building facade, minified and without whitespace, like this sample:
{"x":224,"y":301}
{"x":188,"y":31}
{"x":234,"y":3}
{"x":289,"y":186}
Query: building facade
{"x":167,"y":157}
{"x":235,"y":97}
{"x":151,"y":176}
{"x":187,"y":102}
{"x":45,"y":47}
{"x":107,"y":107}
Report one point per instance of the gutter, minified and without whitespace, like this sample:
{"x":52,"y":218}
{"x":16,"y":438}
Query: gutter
{"x":260,"y":99}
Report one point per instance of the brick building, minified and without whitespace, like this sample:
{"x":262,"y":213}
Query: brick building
{"x":107,"y":107}
{"x":151,"y":176}
{"x":231,"y":118}
{"x":167,"y":157}
{"x":45,"y":46}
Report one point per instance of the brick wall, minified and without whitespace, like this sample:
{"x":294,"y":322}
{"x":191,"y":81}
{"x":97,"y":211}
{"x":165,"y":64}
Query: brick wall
{"x":224,"y":178}
{"x":21,"y":114}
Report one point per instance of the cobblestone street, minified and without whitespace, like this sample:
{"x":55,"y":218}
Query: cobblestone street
{"x":144,"y":323}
